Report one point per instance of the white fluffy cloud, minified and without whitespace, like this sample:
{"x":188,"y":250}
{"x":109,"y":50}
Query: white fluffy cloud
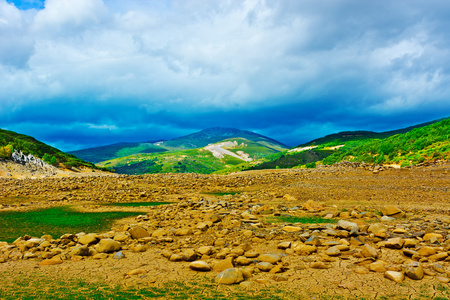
{"x":339,"y":58}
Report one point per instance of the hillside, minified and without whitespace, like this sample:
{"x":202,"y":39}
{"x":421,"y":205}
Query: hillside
{"x":217,"y":134}
{"x":428,"y":143}
{"x":10,"y":140}
{"x":103,"y":153}
{"x":192,"y":141}
{"x":212,"y":158}
{"x":347,"y":136}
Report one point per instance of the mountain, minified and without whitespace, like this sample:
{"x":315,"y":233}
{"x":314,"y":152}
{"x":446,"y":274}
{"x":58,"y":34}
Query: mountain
{"x":103,"y":153}
{"x":192,"y":141}
{"x":425,"y":143}
{"x":233,"y":152}
{"x":217,"y":134}
{"x":407,"y":146}
{"x":10,"y":140}
{"x":346,"y":136}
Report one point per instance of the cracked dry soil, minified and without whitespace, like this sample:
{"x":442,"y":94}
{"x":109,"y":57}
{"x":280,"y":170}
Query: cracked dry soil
{"x":235,"y":215}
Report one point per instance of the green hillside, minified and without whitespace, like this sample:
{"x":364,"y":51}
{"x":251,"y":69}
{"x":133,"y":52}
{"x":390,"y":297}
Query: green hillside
{"x":186,"y":161}
{"x":103,"y":153}
{"x":292,"y":159}
{"x":428,"y":143}
{"x":347,"y":136}
{"x":10,"y":140}
{"x":192,"y":141}
{"x":217,"y":134}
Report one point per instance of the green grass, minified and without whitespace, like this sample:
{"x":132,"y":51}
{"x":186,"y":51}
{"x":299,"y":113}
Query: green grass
{"x":223,"y":193}
{"x":302,"y":220}
{"x":137,"y":204}
{"x":46,"y":288}
{"x":55,"y":221}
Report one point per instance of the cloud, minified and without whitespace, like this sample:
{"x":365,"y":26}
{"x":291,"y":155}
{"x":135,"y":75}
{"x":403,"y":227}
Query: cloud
{"x":276,"y":67}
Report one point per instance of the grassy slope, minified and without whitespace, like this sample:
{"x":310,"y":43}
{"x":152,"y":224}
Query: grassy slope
{"x":104,"y":153}
{"x":293,"y":159}
{"x":215,"y":135}
{"x":427,"y":143}
{"x":186,"y":161}
{"x":347,"y":136}
{"x":29,"y":145}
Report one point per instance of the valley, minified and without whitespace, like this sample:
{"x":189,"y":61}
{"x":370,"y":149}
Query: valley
{"x":342,"y":231}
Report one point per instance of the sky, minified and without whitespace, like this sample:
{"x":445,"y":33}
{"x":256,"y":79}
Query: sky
{"x":83,"y":73}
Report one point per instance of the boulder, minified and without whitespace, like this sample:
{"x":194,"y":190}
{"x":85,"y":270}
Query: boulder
{"x":394,"y":276}
{"x":230,"y":276}
{"x":108,"y":246}
{"x":200,"y":265}
{"x":414,"y":271}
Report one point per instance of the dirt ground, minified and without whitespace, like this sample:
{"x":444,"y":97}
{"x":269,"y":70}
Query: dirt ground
{"x":422,"y":193}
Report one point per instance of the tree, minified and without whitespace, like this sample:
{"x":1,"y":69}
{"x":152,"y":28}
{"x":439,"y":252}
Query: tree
{"x":53,"y":161}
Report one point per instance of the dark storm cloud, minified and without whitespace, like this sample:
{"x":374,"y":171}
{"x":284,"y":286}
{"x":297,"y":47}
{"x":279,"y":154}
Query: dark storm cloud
{"x":80,"y":73}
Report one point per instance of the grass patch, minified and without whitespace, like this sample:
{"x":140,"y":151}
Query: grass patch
{"x":223,"y":193}
{"x":40,"y":287}
{"x":137,"y":204}
{"x":55,"y":221}
{"x":302,"y":220}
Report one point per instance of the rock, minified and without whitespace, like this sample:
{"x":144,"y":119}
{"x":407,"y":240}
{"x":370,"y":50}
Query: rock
{"x":439,"y":256}
{"x":108,"y":246}
{"x":189,"y":255}
{"x":100,"y":256}
{"x":429,"y":236}
{"x":378,"y":266}
{"x":243,"y":261}
{"x":349,"y":226}
{"x":56,"y":260}
{"x":279,"y":278}
{"x":333,"y":251}
{"x":200,"y":266}
{"x":183,"y":231}
{"x":426,"y":251}
{"x":313,"y":240}
{"x":394,"y":243}
{"x":229,"y":276}
{"x":443,"y":279}
{"x":88,"y":239}
{"x":223,"y":265}
{"x":409,"y":252}
{"x":277,"y":269}
{"x":284,"y":245}
{"x":139,"y":248}
{"x":176,"y":257}
{"x":205,"y":250}
{"x":270,"y":258}
{"x":121,"y":237}
{"x":348,"y":285}
{"x":378,"y":230}
{"x":390,"y":210}
{"x":80,"y":250}
{"x":292,"y":228}
{"x":251,"y":254}
{"x":203,"y":226}
{"x":439,"y":268}
{"x":320,"y":265}
{"x":311,"y":205}
{"x":414,"y":271}
{"x":394,"y":276}
{"x":159,"y":233}
{"x":305,"y":249}
{"x":369,"y":251}
{"x":137,"y":272}
{"x":118,"y":255}
{"x":264,"y":266}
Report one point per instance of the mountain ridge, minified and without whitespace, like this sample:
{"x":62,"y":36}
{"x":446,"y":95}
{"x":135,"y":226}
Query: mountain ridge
{"x":194,"y":140}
